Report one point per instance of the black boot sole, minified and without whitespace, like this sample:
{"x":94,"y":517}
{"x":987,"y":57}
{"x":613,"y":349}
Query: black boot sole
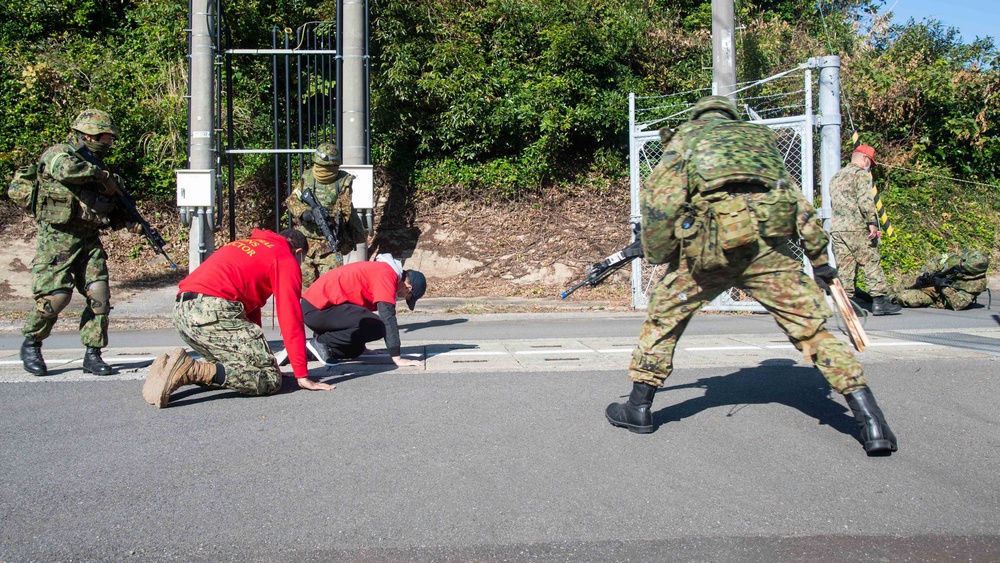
{"x":631,"y":427}
{"x":879,"y":447}
{"x":36,"y":372}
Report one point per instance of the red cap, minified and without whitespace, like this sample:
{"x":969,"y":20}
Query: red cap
{"x":867,"y":151}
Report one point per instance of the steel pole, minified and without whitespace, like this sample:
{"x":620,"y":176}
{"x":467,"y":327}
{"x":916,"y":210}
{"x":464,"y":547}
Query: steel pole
{"x":355,"y":89}
{"x":829,"y":124}
{"x":723,"y":49}
{"x":201,"y":124}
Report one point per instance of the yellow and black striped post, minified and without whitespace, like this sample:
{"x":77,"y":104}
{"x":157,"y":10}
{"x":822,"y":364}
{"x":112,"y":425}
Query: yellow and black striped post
{"x":883,"y":220}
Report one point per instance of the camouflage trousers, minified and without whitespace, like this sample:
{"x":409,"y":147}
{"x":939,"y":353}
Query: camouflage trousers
{"x":318,"y":261}
{"x":66,"y":259}
{"x":944,"y":298}
{"x":853,"y":250}
{"x":776,"y":281}
{"x":219,"y":331}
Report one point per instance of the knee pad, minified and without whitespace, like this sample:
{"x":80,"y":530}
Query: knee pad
{"x":809,"y":346}
{"x":99,"y":297}
{"x":51,"y":305}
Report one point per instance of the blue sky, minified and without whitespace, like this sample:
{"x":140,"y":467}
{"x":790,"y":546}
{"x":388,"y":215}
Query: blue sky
{"x":971,"y":17}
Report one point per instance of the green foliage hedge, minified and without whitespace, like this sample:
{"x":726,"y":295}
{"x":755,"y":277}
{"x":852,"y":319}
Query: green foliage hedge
{"x":494,"y":99}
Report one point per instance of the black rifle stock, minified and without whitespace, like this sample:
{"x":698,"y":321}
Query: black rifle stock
{"x":320,"y":216}
{"x":601,"y":270}
{"x":128,"y":203}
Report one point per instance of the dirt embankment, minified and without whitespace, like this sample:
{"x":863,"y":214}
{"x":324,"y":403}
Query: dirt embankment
{"x":532,"y":249}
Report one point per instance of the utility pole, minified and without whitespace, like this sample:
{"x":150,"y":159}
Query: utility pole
{"x":196,"y":186}
{"x":829,"y":131}
{"x":354,"y":118}
{"x":723,"y":49}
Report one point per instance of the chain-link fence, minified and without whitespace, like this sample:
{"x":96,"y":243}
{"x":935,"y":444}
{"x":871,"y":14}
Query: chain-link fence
{"x":783,"y":102}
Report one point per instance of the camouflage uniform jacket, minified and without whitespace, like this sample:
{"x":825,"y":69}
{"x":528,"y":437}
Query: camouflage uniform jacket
{"x":336,"y":197}
{"x":852,"y":200}
{"x":70,"y":193}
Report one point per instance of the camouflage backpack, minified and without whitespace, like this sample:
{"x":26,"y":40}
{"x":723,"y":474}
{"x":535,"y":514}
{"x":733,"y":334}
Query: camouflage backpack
{"x":974,"y":264}
{"x":731,"y":151}
{"x":23,"y":189}
{"x":970,"y":275}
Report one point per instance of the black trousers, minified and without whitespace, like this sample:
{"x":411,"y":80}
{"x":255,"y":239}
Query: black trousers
{"x":344,"y":328}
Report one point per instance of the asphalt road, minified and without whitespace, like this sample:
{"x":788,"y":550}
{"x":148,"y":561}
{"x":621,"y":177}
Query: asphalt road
{"x":498,"y":450}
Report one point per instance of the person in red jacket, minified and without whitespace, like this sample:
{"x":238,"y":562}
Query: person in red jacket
{"x":218,"y":313}
{"x":340,"y":308}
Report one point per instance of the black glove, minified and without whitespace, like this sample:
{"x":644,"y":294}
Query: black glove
{"x":826,"y":273}
{"x":307,"y":218}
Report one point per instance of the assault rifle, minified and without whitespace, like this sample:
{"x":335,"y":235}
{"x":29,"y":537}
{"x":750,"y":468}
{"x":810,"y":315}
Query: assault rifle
{"x":128,"y":204}
{"x":937,"y":279}
{"x":601,"y":270}
{"x":320,"y":216}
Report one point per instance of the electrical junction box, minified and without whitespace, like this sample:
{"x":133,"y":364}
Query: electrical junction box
{"x":363,"y":185}
{"x":195,"y":188}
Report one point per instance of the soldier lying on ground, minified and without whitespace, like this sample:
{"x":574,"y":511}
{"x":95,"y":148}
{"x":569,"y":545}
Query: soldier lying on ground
{"x":952,"y":281}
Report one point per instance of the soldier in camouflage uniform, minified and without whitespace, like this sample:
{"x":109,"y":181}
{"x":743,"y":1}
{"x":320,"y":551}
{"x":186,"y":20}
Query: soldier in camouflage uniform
{"x":333,"y":190}
{"x":952,"y":281}
{"x":855,"y":231}
{"x":76,"y":201}
{"x":720,"y":208}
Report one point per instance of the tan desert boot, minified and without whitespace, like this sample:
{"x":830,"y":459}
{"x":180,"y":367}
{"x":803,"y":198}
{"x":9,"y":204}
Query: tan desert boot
{"x":156,"y":379}
{"x":180,"y":369}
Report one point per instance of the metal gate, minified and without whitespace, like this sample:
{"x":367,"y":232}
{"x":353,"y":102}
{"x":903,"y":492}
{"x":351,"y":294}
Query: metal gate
{"x":773,"y":102}
{"x":306,"y":90}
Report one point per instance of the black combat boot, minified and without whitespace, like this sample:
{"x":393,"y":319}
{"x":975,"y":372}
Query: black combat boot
{"x":634,"y":414}
{"x":881,"y":305}
{"x":875,"y":432}
{"x":93,"y":363}
{"x":31,"y":357}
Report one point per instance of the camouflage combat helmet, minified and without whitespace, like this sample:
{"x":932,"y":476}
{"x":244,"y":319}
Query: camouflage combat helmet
{"x":327,"y":154}
{"x":714,"y":103}
{"x":94,"y":122}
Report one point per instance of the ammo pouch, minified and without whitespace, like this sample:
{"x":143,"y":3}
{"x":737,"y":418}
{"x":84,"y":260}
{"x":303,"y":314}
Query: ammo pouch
{"x":718,"y":227}
{"x":775,"y":212}
{"x":95,"y":208}
{"x":55,"y":203}
{"x":735,"y":226}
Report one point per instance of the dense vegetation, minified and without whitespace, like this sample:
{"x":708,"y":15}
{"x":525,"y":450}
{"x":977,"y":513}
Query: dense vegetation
{"x":495,"y":99}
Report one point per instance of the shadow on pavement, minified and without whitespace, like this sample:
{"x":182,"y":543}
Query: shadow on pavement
{"x":413,"y":327}
{"x":774,"y":381}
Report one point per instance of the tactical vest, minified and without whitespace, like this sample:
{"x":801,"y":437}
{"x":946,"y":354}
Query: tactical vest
{"x":333,"y":196}
{"x":77,"y":204}
{"x":686,"y":200}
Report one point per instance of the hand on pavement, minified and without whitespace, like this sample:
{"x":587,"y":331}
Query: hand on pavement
{"x":306,"y":383}
{"x":405,"y":362}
